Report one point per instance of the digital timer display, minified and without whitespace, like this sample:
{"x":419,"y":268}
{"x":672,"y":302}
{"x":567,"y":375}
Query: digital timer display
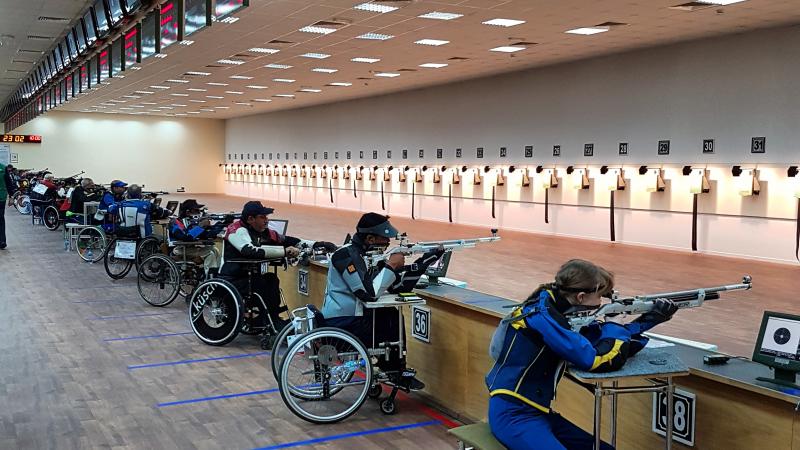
{"x":22,"y":138}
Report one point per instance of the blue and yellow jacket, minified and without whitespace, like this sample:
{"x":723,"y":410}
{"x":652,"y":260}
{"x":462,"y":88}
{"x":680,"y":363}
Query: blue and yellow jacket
{"x":538,"y":346}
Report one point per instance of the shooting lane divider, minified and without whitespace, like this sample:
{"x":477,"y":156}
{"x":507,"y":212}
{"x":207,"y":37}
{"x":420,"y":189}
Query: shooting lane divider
{"x":450,"y":207}
{"x":413,"y":196}
{"x":694,"y":222}
{"x":611,"y":215}
{"x":330,"y":189}
{"x":797,"y":233}
{"x":546,"y":205}
{"x":493,"y":195}
{"x":193,"y":361}
{"x":151,"y":336}
{"x":383,"y":202}
{"x":337,"y":437}
{"x":290,"y":193}
{"x":354,"y":189}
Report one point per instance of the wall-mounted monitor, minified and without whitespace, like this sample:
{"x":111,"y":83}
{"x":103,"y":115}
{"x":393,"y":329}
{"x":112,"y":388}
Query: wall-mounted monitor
{"x":72,"y":45}
{"x":195,"y":16}
{"x":169,"y":24}
{"x":79,"y":35}
{"x":89,"y":27}
{"x":131,"y":47}
{"x":150,"y":31}
{"x":116,"y":57}
{"x":131,"y":6}
{"x":115,"y":13}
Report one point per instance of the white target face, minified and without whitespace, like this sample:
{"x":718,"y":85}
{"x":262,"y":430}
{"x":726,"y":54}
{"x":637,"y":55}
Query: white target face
{"x":781,"y":338}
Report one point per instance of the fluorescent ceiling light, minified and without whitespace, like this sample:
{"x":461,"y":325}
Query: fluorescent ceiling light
{"x":161,"y":55}
{"x":372,"y":7}
{"x":256,"y":87}
{"x":196,"y":89}
{"x":507,"y":49}
{"x":433,"y":42}
{"x":229,"y":19}
{"x":322,"y":70}
{"x":178,"y":104}
{"x":235,"y":92}
{"x":262,"y":100}
{"x":270,"y":51}
{"x":199,"y":74}
{"x":315,"y":55}
{"x":503,"y":22}
{"x":186,"y":42}
{"x":194,"y":112}
{"x":198,"y":101}
{"x":119,"y":101}
{"x":137,"y":106}
{"x":310,"y":90}
{"x":365,"y":60}
{"x":149,"y":103}
{"x":433,"y":65}
{"x":278,"y":66}
{"x":135,"y":68}
{"x":179,"y":95}
{"x":222,"y":107}
{"x":233,"y":62}
{"x":207,"y":110}
{"x":387,"y":74}
{"x":284,"y":95}
{"x":587,"y":31}
{"x":159,"y":87}
{"x":243,"y":103}
{"x":177,"y":81}
{"x":440,"y":16}
{"x":217,"y":84}
{"x":340,"y":84}
{"x":132,"y":96}
{"x":375,"y":36}
{"x":126,"y":108}
{"x":283,"y":80}
{"x":240,"y":77}
{"x":317,"y":30}
{"x":214,"y":96}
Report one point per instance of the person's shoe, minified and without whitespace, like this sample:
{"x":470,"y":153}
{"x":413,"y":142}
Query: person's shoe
{"x":3,"y":246}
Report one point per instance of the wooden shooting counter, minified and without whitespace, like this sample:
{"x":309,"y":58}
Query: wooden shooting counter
{"x":732,"y":409}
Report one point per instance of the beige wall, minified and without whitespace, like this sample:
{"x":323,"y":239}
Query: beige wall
{"x":161,"y":153}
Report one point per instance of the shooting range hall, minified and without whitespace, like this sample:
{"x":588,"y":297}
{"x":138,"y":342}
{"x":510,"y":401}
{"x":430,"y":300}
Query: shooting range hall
{"x":657,"y":139}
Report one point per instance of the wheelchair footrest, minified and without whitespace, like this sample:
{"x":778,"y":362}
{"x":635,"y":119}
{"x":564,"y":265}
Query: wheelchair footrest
{"x":478,"y":436}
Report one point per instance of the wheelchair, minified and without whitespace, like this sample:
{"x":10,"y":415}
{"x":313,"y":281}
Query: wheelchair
{"x":162,"y":278}
{"x":325,"y":374}
{"x":118,"y":265}
{"x":218,"y":312}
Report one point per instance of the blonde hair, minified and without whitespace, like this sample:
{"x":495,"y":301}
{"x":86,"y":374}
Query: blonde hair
{"x":578,"y":275}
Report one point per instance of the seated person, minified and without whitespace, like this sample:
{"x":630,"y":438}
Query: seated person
{"x":65,"y":194}
{"x":190,"y":226}
{"x":115,"y":195}
{"x":135,"y":212}
{"x":85,"y":192}
{"x":250,"y":238}
{"x":532,"y":346}
{"x":351,"y":283}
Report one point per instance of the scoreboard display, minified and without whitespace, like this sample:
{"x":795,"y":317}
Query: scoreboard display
{"x":22,"y":138}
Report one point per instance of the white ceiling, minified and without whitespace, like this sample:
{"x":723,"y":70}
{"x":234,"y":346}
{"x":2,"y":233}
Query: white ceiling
{"x":19,"y":19}
{"x":649,"y":23}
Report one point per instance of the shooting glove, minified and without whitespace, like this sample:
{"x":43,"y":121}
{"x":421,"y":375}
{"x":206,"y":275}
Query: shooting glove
{"x":430,"y":257}
{"x":663,"y":310}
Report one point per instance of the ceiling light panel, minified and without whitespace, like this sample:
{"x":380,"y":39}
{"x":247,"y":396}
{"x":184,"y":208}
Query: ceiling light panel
{"x":256,"y":87}
{"x":436,"y":15}
{"x":262,"y":100}
{"x":323,"y":70}
{"x":283,"y":80}
{"x":365,"y":60}
{"x":217,"y":84}
{"x":278,"y":66}
{"x":315,"y":55}
{"x":284,"y":95}
{"x":269,"y":51}
{"x":232,"y":62}
{"x":196,"y":89}
{"x":503,"y":22}
{"x":373,"y":7}
{"x":387,"y":74}
{"x":375,"y":37}
{"x":507,"y":49}
{"x":433,"y":65}
{"x":177,"y":81}
{"x":240,"y":77}
{"x":317,"y":30}
{"x":234,"y":92}
{"x":340,"y":84}
{"x":588,"y":31}
{"x":433,"y":42}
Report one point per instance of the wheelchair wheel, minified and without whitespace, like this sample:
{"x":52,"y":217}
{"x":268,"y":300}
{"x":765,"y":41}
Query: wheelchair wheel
{"x":325,"y":376}
{"x":51,"y":218}
{"x":190,"y":278}
{"x":159,"y":280}
{"x":91,"y":243}
{"x":147,"y":247}
{"x":22,"y":203}
{"x":254,"y":312}
{"x":116,"y":268}
{"x":279,"y":349}
{"x":215,"y":312}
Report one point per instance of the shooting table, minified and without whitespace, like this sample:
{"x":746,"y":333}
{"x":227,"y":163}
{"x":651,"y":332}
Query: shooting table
{"x":733,"y":410}
{"x":650,"y":365}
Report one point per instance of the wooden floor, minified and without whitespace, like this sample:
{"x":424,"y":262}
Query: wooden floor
{"x":513,"y":267}
{"x":66,"y":383}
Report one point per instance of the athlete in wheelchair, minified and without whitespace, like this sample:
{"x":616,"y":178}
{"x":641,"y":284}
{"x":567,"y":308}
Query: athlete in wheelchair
{"x":324,"y":361}
{"x":133,"y":238}
{"x":246,"y":297}
{"x":192,"y":256}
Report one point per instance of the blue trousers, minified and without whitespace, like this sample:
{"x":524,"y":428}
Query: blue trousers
{"x":522,"y":427}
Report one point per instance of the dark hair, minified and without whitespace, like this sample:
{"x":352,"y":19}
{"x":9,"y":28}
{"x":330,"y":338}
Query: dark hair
{"x":578,"y":275}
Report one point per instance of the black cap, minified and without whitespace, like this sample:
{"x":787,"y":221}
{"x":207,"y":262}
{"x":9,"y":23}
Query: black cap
{"x":376,"y":224}
{"x":255,"y":208}
{"x":189,"y":204}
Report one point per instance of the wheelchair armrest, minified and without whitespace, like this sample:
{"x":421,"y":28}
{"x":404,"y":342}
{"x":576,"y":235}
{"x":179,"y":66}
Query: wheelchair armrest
{"x":255,"y":261}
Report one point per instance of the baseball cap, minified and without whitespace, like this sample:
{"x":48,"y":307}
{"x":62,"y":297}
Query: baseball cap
{"x":255,"y":208}
{"x":118,"y":183}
